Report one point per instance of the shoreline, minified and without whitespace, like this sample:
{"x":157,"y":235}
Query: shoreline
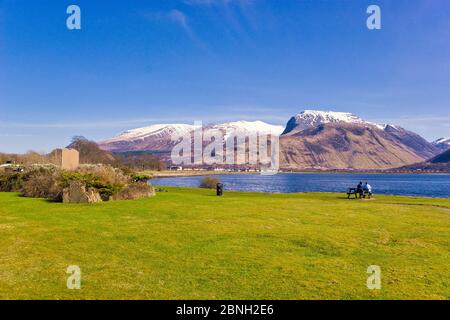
{"x":175,"y":174}
{"x":344,"y":194}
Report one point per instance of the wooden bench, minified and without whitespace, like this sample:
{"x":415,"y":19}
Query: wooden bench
{"x":354,"y":191}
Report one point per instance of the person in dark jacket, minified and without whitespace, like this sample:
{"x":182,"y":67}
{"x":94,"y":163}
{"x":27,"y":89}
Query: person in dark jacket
{"x":359,"y":189}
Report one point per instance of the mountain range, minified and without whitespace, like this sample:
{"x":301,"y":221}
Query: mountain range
{"x":319,"y":140}
{"x":157,"y":138}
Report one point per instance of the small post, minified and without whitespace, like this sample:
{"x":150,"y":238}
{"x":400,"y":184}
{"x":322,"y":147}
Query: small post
{"x":219,"y":189}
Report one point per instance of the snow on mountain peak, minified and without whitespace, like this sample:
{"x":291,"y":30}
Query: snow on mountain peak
{"x":442,"y":141}
{"x":328,"y":117}
{"x":313,"y":118}
{"x":157,"y":130}
{"x":251,"y":126}
{"x":166,"y":130}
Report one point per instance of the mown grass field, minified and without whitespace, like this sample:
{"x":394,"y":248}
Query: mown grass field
{"x":190,"y":244}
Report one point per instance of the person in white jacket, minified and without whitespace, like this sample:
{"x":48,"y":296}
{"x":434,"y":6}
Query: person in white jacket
{"x":368,"y":188}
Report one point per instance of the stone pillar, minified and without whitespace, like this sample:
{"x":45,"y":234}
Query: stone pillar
{"x":70,"y":159}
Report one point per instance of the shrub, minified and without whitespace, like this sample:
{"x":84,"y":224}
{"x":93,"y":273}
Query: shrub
{"x":135,"y":191}
{"x":42,"y":183}
{"x":105,"y":173}
{"x":141,"y":177}
{"x":209,"y":182}
{"x":10,"y":181}
{"x":49,"y":182}
{"x":106,"y":180}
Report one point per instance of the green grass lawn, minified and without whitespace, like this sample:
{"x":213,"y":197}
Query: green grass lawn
{"x":190,"y":244}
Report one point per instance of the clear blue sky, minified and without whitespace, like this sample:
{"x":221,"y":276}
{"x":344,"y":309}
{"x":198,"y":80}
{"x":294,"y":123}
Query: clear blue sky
{"x":135,"y":63}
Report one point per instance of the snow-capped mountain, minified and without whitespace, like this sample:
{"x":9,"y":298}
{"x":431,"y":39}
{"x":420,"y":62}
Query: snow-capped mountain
{"x":157,"y":130}
{"x":248,"y":127}
{"x":158,"y":137}
{"x":339,"y":140}
{"x":442,"y":143}
{"x":313,"y":118}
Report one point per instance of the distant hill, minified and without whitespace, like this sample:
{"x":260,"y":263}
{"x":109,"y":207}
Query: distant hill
{"x":90,"y":151}
{"x":442,"y":158}
{"x":440,"y":163}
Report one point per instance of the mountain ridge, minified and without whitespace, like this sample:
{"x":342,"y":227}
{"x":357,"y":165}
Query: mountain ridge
{"x":318,"y":139}
{"x":158,"y":137}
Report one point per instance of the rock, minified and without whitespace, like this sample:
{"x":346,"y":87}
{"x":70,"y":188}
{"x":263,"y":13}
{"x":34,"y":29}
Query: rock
{"x":77,"y":193}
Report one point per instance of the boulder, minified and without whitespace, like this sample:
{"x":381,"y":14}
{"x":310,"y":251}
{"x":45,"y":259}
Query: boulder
{"x":77,"y":193}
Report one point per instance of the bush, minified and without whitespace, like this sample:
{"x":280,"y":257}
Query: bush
{"x":42,"y":183}
{"x":107,"y":180}
{"x":49,"y":182}
{"x":105,"y":173}
{"x":209,"y":182}
{"x":135,"y":191}
{"x":11,"y":181}
{"x":141,"y":177}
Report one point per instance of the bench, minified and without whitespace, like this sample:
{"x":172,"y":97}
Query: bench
{"x":361,"y":195}
{"x":352,"y":191}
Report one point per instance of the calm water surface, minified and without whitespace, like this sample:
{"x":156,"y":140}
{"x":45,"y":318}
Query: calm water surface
{"x":424,"y":185}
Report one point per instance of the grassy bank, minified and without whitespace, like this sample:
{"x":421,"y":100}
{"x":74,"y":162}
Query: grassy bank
{"x":189,"y":244}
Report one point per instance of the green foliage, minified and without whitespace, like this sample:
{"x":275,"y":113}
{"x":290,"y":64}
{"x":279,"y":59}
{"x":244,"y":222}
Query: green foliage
{"x":11,"y":181}
{"x":49,"y":181}
{"x":105,"y":188}
{"x":141,"y":177}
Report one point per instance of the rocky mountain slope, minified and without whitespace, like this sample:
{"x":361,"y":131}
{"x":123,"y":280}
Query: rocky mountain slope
{"x":336,"y":140}
{"x":343,"y":146}
{"x":313,"y":118}
{"x":413,"y":141}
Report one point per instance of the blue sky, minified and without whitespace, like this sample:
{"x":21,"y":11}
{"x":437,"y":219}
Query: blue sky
{"x":135,"y":63}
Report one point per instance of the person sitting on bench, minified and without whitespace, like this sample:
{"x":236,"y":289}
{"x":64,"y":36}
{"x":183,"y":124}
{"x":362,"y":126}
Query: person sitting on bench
{"x":368,"y":189}
{"x":359,"y":189}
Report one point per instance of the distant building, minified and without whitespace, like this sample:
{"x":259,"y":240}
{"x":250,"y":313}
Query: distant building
{"x":67,"y":159}
{"x":175,"y":168}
